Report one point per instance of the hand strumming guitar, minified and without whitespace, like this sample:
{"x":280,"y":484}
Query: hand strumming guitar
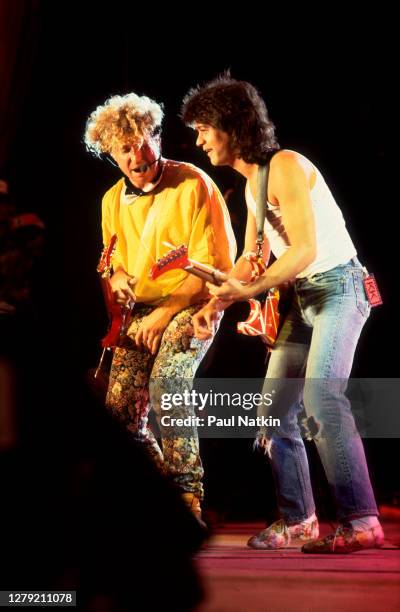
{"x":122,"y":287}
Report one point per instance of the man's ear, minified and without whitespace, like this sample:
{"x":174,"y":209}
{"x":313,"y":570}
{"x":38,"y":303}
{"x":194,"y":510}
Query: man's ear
{"x":156,"y":134}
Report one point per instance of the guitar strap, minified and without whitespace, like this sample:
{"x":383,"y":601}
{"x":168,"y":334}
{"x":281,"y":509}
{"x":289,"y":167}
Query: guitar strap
{"x":261,"y":205}
{"x":263,"y":319}
{"x":261,"y":201}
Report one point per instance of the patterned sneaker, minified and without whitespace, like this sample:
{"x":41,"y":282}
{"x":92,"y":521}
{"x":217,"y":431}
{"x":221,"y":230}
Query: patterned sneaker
{"x":280,"y":535}
{"x":346,"y":540}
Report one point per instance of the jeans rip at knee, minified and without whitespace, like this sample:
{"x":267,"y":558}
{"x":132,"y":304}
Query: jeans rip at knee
{"x":310,"y":428}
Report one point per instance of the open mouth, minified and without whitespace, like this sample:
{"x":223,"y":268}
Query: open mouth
{"x":140,"y":169}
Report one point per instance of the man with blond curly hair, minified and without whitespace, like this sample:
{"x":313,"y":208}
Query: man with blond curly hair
{"x":157,"y":202}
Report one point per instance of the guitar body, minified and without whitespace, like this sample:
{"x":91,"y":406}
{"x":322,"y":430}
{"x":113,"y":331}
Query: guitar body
{"x":263,"y":319}
{"x":119,"y":316}
{"x":118,"y":322}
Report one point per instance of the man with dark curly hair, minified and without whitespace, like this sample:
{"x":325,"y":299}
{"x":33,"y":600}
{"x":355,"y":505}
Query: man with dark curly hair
{"x":306,"y":232}
{"x":157,"y":202}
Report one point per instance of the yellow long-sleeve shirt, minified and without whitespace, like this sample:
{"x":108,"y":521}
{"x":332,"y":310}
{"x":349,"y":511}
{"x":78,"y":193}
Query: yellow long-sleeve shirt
{"x":187,"y":208}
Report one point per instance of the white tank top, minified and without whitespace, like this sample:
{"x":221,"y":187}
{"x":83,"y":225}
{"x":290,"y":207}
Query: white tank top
{"x":334,"y":245}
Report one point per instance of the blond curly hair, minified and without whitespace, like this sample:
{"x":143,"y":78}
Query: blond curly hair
{"x":128,"y":119}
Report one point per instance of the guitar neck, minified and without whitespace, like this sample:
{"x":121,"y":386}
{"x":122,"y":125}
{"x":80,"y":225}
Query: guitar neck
{"x":205,"y":272}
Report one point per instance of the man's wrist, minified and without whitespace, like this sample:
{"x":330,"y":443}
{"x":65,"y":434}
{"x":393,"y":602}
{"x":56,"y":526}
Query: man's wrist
{"x":217,"y":305}
{"x":120,"y":270}
{"x":171,"y":308}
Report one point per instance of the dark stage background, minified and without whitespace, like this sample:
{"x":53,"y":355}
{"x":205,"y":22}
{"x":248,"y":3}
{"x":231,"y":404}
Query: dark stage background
{"x":328,"y":96}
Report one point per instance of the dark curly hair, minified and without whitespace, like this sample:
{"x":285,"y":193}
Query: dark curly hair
{"x":234,"y":107}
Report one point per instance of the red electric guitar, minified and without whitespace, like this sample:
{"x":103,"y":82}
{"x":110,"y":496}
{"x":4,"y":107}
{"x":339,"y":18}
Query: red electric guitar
{"x":119,"y":316}
{"x":263,"y":319}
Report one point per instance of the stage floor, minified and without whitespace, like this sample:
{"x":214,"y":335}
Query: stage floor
{"x":239,"y":579}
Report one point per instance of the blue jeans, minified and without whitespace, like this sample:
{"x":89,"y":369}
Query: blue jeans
{"x":315,"y":349}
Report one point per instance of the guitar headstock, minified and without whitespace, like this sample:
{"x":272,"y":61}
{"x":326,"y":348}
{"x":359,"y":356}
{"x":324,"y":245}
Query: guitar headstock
{"x":176,"y":258}
{"x":104,"y":265}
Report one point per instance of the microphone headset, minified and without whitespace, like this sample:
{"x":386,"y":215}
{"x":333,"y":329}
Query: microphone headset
{"x":131,"y":189}
{"x":143,"y":167}
{"x":139,"y":169}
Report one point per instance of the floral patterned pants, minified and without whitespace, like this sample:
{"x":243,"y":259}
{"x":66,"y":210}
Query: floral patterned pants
{"x":132,"y":392}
